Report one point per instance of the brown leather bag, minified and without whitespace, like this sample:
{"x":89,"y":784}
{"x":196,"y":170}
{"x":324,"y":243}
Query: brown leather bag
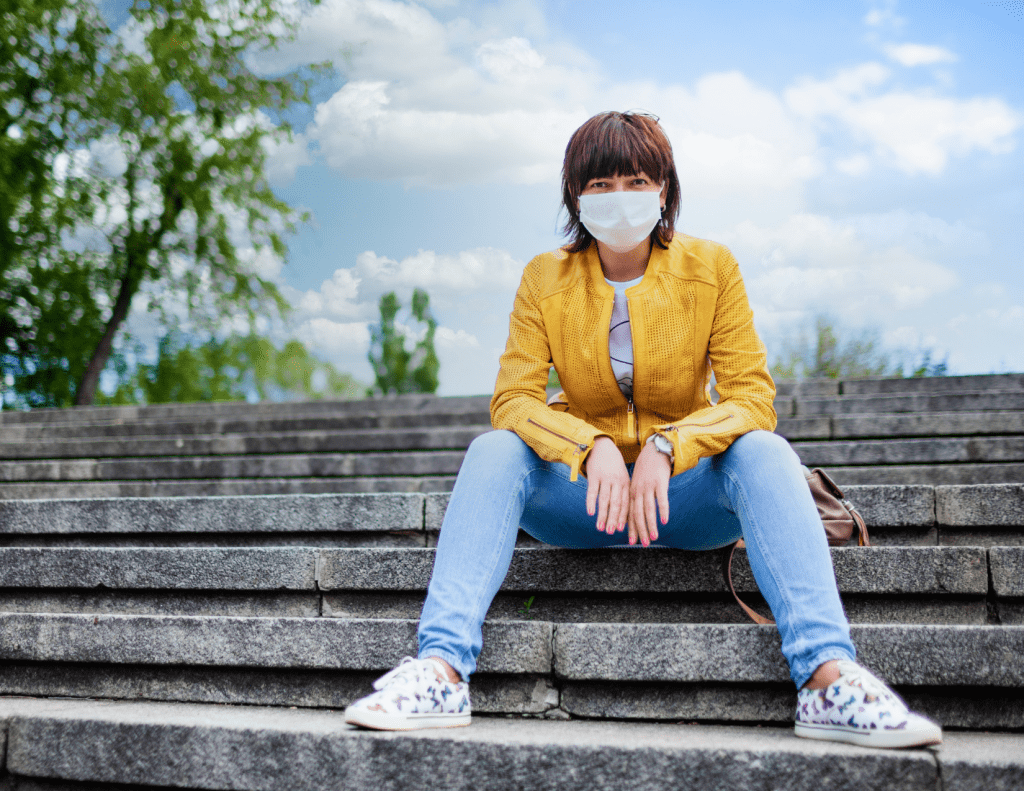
{"x":838,"y":516}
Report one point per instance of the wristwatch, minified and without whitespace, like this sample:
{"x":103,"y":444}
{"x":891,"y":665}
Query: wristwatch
{"x":662,"y":443}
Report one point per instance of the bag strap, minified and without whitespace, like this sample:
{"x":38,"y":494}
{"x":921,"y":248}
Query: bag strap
{"x":755,"y":616}
{"x":862,"y":540}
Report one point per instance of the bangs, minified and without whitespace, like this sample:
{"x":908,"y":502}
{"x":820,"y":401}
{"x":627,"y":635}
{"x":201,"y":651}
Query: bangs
{"x":618,"y":149}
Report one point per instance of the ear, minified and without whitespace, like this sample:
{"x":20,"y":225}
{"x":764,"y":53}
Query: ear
{"x":664,"y":195}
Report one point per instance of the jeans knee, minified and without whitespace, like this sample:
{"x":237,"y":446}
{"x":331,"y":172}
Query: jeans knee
{"x":496,"y":447}
{"x":764,"y":446}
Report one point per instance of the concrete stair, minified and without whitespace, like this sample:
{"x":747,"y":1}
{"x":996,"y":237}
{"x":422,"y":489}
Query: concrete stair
{"x":946,"y":430}
{"x":163,"y":641}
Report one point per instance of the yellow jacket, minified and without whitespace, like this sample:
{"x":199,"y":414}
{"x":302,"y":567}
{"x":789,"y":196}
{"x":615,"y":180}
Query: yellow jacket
{"x":688,"y":315}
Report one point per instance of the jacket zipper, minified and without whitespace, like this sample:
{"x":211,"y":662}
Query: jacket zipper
{"x":631,"y":422}
{"x":730,"y":416}
{"x":574,"y":468}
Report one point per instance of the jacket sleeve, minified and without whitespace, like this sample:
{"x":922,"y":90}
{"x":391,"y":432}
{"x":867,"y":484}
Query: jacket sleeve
{"x":518,"y":403}
{"x":739,"y":360}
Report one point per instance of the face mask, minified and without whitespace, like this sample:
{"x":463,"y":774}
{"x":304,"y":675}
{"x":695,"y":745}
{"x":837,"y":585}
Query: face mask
{"x":621,"y":219}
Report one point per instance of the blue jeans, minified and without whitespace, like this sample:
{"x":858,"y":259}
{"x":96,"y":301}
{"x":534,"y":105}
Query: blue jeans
{"x":754,"y":490}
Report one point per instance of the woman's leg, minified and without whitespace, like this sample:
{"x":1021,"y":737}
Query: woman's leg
{"x":787,"y":550}
{"x":502,"y":483}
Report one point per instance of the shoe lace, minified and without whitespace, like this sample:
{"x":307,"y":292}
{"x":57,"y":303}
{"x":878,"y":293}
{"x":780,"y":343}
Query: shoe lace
{"x":408,"y":668}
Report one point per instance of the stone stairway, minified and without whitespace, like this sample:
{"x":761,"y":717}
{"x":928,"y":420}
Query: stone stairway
{"x":128,"y":623}
{"x":946,"y":430}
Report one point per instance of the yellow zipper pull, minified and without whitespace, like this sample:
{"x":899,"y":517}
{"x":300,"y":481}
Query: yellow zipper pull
{"x":630,"y":420}
{"x":574,"y":470}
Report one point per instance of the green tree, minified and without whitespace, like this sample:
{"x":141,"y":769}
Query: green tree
{"x":52,"y":59}
{"x":179,"y":204}
{"x":828,"y":351}
{"x":398,"y":370}
{"x":236,"y":368}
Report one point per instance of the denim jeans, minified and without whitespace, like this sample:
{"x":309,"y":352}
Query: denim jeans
{"x":754,"y":490}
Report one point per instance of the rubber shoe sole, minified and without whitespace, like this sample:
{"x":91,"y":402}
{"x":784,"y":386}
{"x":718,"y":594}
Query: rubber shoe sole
{"x":383,"y":721}
{"x":923,"y":735}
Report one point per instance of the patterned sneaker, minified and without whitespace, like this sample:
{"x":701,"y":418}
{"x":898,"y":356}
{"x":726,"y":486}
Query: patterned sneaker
{"x":859,"y":708}
{"x":416,"y":694}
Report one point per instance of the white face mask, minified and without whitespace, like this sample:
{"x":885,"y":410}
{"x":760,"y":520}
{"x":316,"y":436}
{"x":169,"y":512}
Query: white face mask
{"x":621,"y":219}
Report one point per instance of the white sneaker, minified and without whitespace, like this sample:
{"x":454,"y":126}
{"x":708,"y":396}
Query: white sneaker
{"x":416,"y":694}
{"x":859,"y":708}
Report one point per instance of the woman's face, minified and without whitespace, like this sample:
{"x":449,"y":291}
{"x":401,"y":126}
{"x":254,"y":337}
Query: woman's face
{"x":638,"y":182}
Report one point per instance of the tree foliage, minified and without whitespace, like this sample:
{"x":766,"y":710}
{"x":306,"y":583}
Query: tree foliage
{"x":153,"y":181}
{"x":236,"y":368}
{"x":397,"y":369}
{"x":52,"y":62}
{"x":828,"y":351}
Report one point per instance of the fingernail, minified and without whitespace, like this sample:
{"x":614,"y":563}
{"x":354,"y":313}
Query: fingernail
{"x":645,"y":542}
{"x":664,"y":520}
{"x":632,"y":540}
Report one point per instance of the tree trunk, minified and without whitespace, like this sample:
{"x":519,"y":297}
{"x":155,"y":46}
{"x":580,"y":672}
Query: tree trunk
{"x":86,"y":392}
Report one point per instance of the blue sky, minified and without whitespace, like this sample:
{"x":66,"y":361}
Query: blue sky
{"x":862,"y":156}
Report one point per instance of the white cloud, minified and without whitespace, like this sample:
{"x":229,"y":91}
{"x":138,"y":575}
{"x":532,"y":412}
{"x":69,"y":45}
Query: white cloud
{"x":884,"y":16}
{"x":447,"y":337}
{"x":336,"y":339}
{"x":482,"y":269}
{"x":808,"y":260}
{"x":916,"y":132}
{"x":285,"y":156}
{"x":919,"y":54}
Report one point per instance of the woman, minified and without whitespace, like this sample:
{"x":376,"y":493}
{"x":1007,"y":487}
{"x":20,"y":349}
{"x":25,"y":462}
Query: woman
{"x":635,"y":452}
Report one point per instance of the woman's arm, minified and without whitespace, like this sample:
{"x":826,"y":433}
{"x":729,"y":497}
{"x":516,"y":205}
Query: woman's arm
{"x":519,"y":401}
{"x":519,"y":405}
{"x":739,"y":360}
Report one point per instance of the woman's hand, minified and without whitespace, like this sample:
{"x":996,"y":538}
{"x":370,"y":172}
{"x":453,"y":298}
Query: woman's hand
{"x":648,"y":487}
{"x":607,"y":485}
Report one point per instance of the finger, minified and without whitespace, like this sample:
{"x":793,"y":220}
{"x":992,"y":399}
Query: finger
{"x":592,"y":487}
{"x":621,"y":512}
{"x":614,"y":508}
{"x":633,"y":537}
{"x":642,"y":533}
{"x":663,"y":501}
{"x":603,"y":496}
{"x":650,"y":518}
{"x":636,"y":517}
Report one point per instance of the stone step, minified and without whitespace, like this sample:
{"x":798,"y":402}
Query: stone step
{"x":982,"y":514}
{"x":933,"y":384}
{"x":265,"y":749}
{"x":928,"y":474}
{"x":1012,"y":400}
{"x":200,"y":426}
{"x":878,"y":584}
{"x":260,"y":439}
{"x":223,"y":487}
{"x":879,"y":453}
{"x":425,"y":471}
{"x":965,"y":676}
{"x":237,"y":409}
{"x":262,"y":444}
{"x":874,"y":385}
{"x":933,"y":424}
{"x":297,"y":465}
{"x":795,"y":428}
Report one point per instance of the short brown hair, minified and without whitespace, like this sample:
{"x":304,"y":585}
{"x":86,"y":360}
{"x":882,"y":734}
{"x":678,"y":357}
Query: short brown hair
{"x":618,"y":144}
